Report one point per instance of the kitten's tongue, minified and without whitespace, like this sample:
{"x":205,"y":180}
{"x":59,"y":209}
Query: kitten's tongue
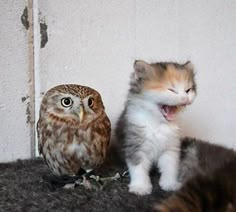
{"x":169,"y":112}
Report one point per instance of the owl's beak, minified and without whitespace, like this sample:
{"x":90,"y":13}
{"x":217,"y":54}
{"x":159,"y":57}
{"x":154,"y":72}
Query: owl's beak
{"x":81,"y":113}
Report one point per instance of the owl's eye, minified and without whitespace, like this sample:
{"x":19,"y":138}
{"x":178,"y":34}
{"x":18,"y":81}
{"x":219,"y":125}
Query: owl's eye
{"x":90,"y":102}
{"x":66,"y":102}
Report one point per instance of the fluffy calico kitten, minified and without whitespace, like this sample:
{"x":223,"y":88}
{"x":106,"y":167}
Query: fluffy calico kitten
{"x":147,"y":130}
{"x":210,"y":171}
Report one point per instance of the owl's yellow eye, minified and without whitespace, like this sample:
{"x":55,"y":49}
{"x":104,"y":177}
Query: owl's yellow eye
{"x":90,"y":102}
{"x":66,"y":102}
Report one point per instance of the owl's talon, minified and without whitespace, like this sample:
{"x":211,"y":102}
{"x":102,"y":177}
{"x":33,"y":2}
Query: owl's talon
{"x":84,"y":182}
{"x":95,"y":177}
{"x":109,"y":179}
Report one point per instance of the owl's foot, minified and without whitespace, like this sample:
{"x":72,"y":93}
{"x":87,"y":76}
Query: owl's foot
{"x":95,"y":182}
{"x":106,"y":179}
{"x":89,"y":180}
{"x":85,"y":182}
{"x":81,"y":181}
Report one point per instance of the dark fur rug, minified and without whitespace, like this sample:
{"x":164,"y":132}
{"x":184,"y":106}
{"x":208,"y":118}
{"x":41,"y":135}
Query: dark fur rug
{"x":23,"y":188}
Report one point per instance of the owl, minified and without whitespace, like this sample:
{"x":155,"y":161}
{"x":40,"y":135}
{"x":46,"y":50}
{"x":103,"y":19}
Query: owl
{"x":73,"y":129}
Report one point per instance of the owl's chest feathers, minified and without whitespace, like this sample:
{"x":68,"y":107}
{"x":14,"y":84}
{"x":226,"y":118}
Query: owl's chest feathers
{"x":72,"y":146}
{"x":72,"y":139}
{"x":158,"y":134}
{"x":66,"y":134}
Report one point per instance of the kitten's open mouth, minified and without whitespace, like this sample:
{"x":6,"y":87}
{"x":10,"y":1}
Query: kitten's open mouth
{"x":170,"y":112}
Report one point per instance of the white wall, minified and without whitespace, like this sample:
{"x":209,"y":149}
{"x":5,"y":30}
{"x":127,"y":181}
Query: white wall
{"x":94,"y":43}
{"x":14,"y":87}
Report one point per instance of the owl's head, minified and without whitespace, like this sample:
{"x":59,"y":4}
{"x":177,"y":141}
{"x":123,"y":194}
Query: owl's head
{"x":72,"y":103}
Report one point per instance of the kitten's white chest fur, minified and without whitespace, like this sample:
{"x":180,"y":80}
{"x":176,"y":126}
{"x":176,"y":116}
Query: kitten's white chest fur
{"x":160,"y":135}
{"x":160,"y":146}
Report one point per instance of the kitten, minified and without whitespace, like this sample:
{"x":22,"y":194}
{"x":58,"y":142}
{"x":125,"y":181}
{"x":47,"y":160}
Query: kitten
{"x":210,"y":173}
{"x":146,"y":128}
{"x":199,"y":157}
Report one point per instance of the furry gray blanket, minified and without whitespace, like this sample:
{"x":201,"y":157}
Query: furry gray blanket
{"x":23,"y":187}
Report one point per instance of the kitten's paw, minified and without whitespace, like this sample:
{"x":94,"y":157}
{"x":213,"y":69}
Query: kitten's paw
{"x":140,"y":189}
{"x":169,"y":185}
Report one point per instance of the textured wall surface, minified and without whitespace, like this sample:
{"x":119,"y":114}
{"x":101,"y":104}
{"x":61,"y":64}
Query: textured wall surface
{"x":95,"y":43}
{"x":14,"y":87}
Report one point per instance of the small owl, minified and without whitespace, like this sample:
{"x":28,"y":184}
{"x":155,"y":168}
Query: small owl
{"x":73,"y":129}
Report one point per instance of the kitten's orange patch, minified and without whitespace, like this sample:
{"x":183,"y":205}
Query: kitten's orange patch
{"x":173,"y":75}
{"x":162,"y":80}
{"x":153,"y":85}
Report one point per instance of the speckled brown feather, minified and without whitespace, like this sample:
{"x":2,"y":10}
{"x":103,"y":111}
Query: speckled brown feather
{"x":66,"y":144}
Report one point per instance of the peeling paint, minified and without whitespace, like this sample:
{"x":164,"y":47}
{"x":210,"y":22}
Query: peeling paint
{"x":44,"y":34}
{"x":28,"y":109}
{"x":24,"y":18}
{"x":24,"y":98}
{"x":28,"y":114}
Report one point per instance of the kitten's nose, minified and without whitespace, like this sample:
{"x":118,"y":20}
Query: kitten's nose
{"x":184,"y":99}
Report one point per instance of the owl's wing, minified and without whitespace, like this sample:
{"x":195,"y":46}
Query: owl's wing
{"x":107,"y":125}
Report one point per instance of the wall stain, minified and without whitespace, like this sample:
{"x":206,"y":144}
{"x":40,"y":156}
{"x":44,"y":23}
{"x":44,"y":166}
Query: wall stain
{"x":44,"y":34}
{"x":28,"y":114}
{"x":24,"y":98}
{"x":24,"y":18}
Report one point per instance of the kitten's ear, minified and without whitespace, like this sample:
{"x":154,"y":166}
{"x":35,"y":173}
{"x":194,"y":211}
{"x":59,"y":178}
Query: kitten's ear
{"x":140,"y":69}
{"x":188,"y":65}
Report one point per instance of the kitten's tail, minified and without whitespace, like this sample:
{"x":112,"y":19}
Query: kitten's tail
{"x":216,"y":192}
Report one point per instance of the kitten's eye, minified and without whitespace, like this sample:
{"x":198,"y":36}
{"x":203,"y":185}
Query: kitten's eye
{"x":172,"y":90}
{"x":187,"y":91}
{"x":90,"y":102}
{"x":66,"y":102}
